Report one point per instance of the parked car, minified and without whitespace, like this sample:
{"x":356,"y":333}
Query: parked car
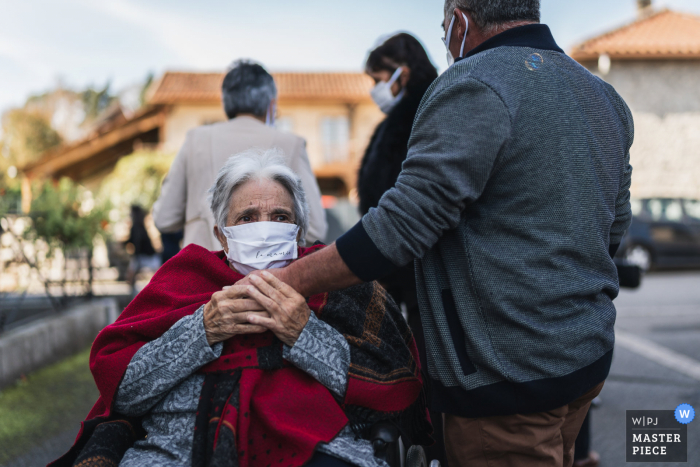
{"x":665,"y":233}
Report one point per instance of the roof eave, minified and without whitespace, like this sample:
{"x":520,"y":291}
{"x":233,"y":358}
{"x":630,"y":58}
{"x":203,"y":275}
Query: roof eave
{"x":306,"y":100}
{"x":592,"y":56}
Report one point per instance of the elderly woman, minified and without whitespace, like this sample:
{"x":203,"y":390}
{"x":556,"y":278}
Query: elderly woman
{"x":185,"y":378}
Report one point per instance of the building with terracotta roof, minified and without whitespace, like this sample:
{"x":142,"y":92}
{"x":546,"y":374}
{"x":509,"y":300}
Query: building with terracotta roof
{"x":654,"y":63}
{"x":332,"y":111}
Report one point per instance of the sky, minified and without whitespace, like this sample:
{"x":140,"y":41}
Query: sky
{"x":92,"y":42}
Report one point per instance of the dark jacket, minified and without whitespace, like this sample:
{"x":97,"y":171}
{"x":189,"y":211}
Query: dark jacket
{"x":387,"y":150}
{"x":379,"y":170}
{"x":515,"y":188}
{"x":138,"y":236}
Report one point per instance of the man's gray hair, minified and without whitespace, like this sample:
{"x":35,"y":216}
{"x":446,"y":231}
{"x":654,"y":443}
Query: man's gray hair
{"x":257,"y":164}
{"x":247,"y":89}
{"x":490,"y":14}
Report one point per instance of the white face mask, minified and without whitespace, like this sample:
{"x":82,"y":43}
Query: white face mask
{"x":261,"y":245}
{"x":382,"y":95}
{"x":448,"y":38}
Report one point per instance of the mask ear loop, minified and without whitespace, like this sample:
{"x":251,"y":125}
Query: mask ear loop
{"x":270,"y":117}
{"x":394,"y":78}
{"x":464,"y":39}
{"x":448,"y":38}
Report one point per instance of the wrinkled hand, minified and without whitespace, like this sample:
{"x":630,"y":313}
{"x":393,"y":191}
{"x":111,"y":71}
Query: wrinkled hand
{"x":288,"y":310}
{"x":226,"y":314}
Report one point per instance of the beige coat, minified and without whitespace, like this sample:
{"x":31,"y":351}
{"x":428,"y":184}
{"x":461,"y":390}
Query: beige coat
{"x":183,"y":198}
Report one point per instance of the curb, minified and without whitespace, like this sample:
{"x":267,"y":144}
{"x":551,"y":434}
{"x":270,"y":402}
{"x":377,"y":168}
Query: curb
{"x":37,"y":344}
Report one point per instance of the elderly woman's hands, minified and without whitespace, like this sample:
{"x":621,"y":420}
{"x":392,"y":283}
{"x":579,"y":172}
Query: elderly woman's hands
{"x":226,"y":315}
{"x":288,"y":310}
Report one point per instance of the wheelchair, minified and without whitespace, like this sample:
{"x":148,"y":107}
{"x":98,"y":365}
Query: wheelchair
{"x":387,"y":444}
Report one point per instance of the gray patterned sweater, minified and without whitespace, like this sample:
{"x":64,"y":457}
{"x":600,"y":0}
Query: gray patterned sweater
{"x":513,"y":194}
{"x":161,"y":385}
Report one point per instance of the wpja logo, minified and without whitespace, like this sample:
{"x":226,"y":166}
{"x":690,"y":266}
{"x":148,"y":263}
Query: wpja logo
{"x":658,"y":435}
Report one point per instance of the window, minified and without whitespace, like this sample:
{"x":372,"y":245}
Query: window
{"x":692,"y":209}
{"x":335,"y":138}
{"x":636,"y":206}
{"x":665,"y":210}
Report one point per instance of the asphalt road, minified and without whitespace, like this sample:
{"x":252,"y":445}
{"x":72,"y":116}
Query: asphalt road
{"x":656,"y":366}
{"x":656,"y":363}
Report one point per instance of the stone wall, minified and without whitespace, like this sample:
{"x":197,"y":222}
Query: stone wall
{"x":45,"y":341}
{"x":664,"y":97}
{"x":666,"y":155}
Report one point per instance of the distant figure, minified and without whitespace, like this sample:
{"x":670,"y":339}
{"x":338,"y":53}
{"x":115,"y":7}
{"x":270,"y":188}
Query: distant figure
{"x":171,"y":245}
{"x":139,"y":246}
{"x":249,"y":97}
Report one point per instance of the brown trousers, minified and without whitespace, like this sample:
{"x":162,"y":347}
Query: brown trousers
{"x":544,"y":439}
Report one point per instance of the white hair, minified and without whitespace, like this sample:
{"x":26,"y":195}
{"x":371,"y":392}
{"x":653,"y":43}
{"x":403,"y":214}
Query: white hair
{"x":257,"y":164}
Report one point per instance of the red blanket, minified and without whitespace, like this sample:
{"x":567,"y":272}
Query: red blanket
{"x":259,"y":409}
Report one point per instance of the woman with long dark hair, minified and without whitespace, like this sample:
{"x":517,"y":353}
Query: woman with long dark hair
{"x":402,"y":72}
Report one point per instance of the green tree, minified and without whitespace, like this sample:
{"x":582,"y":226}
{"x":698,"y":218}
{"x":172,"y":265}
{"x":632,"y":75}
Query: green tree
{"x":136,"y":179}
{"x":95,"y":101}
{"x":144,"y":89}
{"x":25,"y":136}
{"x":64,"y":215}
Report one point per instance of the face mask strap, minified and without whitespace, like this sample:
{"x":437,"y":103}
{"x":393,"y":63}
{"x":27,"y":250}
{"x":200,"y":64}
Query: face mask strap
{"x":270,"y":117}
{"x":464,"y":39}
{"x":395,"y":76}
{"x":448,"y":38}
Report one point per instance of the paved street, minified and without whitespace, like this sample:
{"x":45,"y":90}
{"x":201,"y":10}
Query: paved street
{"x":656,"y":363}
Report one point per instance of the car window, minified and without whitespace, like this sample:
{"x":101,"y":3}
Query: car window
{"x":636,"y":205}
{"x":692,"y":208}
{"x":665,"y":210}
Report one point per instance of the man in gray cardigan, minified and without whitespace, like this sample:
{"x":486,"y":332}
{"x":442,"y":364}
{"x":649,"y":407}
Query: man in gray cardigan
{"x":512,"y":200}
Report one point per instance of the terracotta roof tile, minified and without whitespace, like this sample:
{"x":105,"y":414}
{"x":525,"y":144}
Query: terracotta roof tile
{"x":181,"y":87}
{"x":665,"y":34}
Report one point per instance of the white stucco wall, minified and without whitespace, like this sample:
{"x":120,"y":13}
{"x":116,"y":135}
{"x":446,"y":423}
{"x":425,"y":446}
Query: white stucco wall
{"x":666,"y":155}
{"x":664,"y":97}
{"x":303,"y":118}
{"x":183,"y":118}
{"x":657,"y":86}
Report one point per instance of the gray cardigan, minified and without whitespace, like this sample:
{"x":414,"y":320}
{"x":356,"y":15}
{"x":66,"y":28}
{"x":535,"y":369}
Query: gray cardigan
{"x":162,"y":385}
{"x":514,"y":191}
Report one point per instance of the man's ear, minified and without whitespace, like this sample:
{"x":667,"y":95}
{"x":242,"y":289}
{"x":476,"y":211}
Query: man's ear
{"x":222,"y":239}
{"x":462,"y":26}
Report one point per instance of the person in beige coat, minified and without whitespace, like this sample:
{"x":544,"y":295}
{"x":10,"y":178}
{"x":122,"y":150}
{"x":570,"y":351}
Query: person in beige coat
{"x":249,"y":97}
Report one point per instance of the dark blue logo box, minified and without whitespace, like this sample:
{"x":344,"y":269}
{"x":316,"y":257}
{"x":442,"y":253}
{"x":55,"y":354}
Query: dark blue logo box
{"x":656,"y":436}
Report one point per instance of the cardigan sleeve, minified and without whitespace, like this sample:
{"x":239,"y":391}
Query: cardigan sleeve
{"x":457,"y":136}
{"x":162,"y":364}
{"x":322,"y":352}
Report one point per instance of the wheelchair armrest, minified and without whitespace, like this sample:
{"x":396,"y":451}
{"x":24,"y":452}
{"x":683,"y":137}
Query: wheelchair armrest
{"x":384,"y":437}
